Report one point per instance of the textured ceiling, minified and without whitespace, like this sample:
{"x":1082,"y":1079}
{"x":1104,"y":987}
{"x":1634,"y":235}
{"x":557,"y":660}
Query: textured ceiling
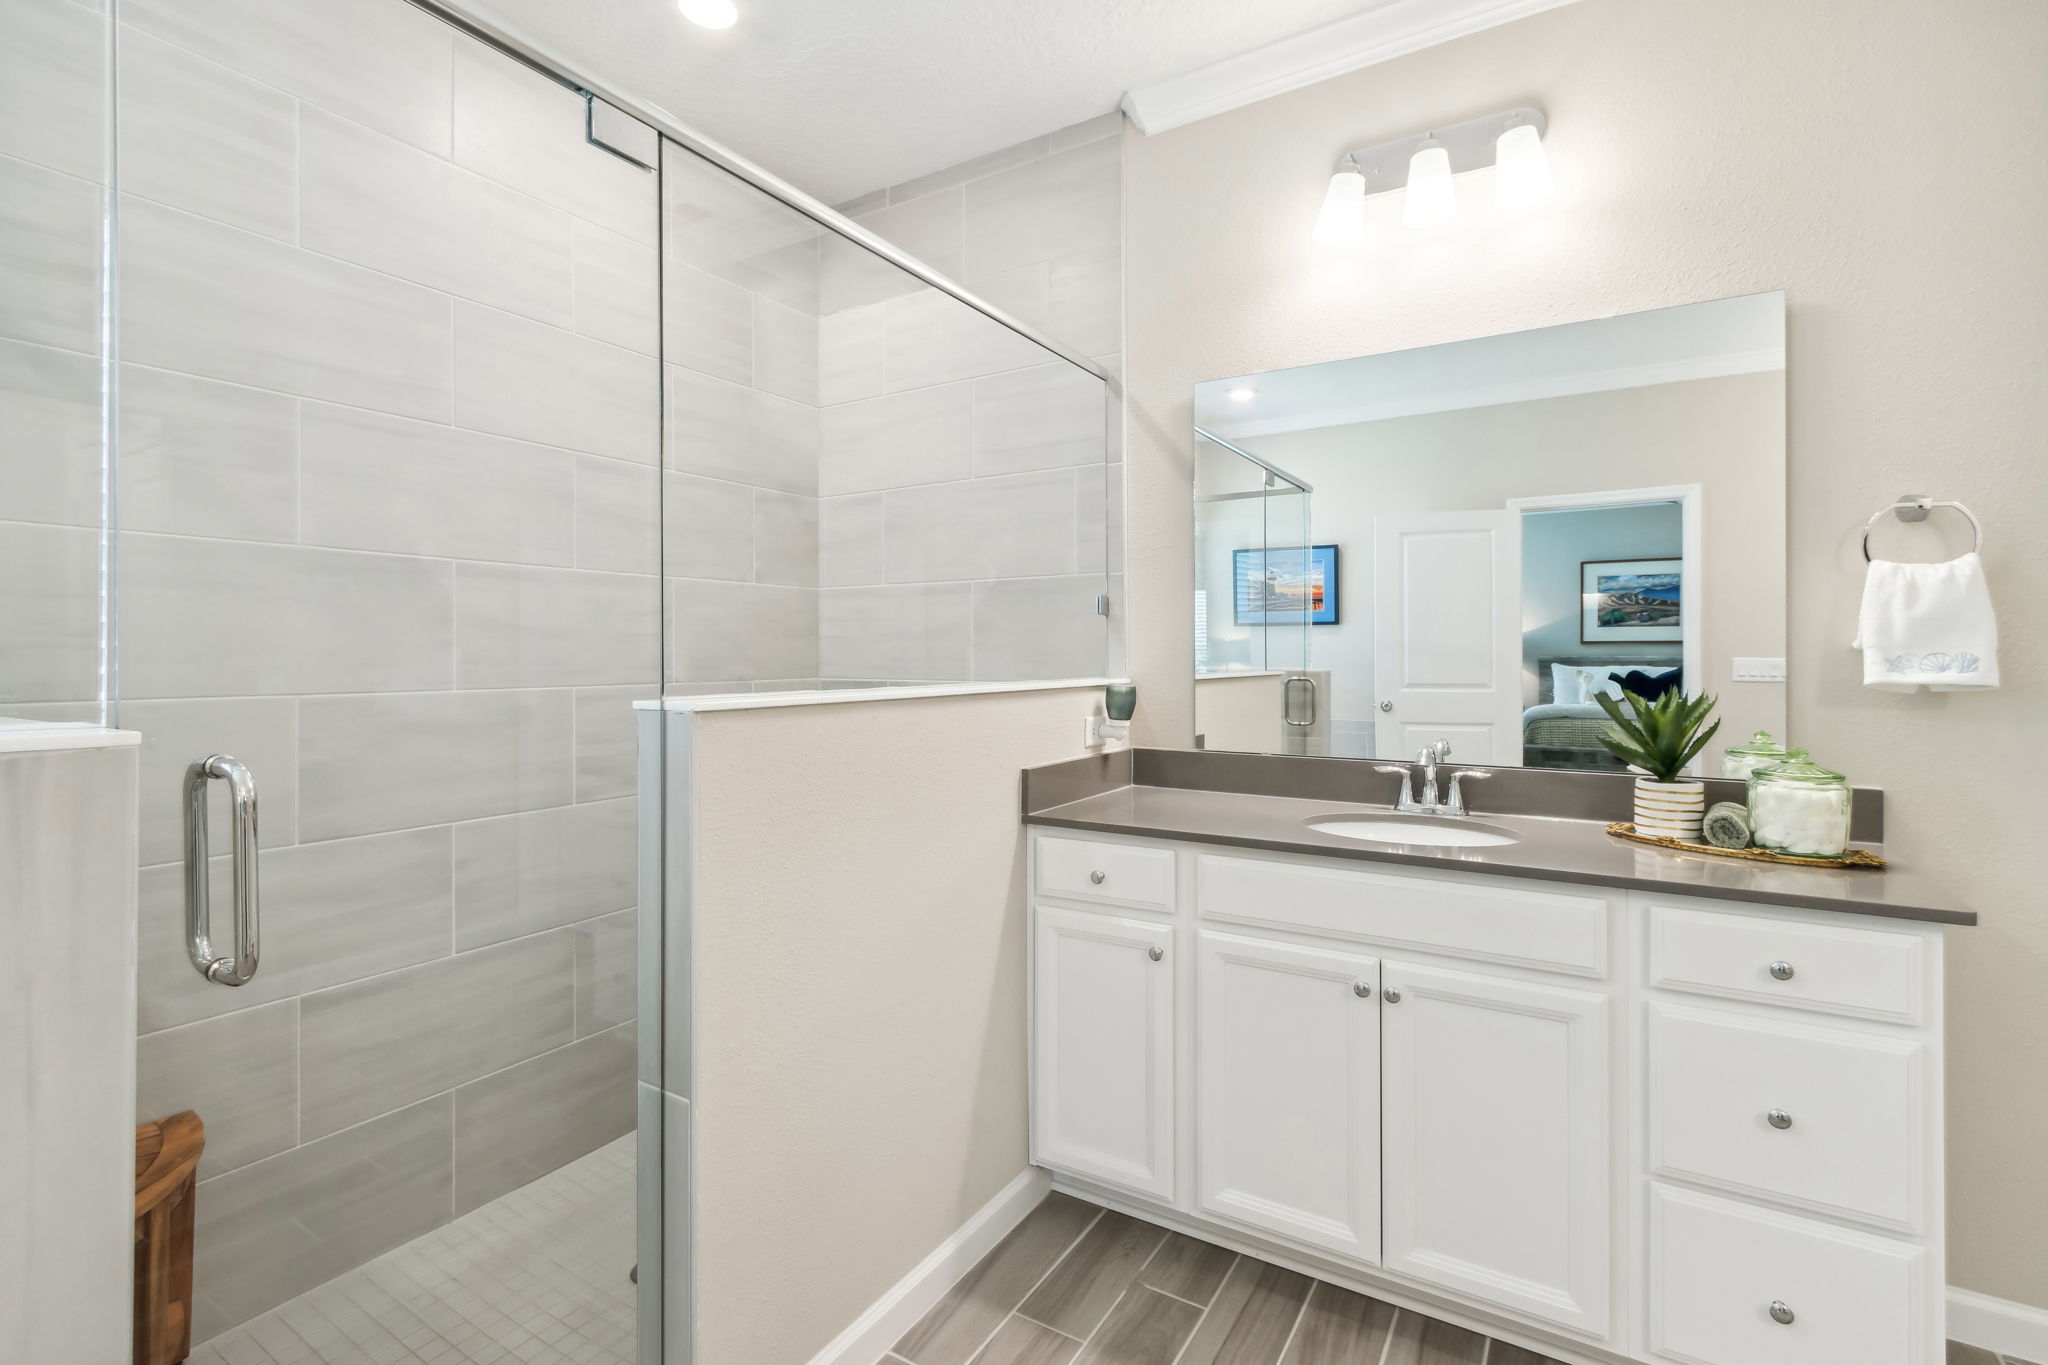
{"x":845,"y":96}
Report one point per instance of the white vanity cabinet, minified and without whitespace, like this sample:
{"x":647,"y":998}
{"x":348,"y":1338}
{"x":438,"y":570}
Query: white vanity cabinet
{"x":1614,"y":1125}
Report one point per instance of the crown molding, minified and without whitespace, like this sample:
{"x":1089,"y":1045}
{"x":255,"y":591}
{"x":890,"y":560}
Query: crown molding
{"x":1392,"y":28}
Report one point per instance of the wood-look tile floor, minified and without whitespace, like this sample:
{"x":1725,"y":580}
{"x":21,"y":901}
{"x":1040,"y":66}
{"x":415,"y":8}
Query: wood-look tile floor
{"x":1079,"y":1285}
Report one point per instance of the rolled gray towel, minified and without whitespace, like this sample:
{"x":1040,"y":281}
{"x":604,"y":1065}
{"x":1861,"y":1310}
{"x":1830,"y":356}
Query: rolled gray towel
{"x":1726,"y":825}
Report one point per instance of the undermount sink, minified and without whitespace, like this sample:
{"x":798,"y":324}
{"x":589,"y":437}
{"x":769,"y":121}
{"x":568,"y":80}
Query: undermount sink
{"x":1437,"y":832}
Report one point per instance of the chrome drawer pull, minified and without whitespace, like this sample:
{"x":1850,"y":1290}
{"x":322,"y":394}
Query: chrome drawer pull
{"x":1781,"y":1312}
{"x":1778,"y":1118}
{"x":1392,"y":995}
{"x":1782,"y":971}
{"x":1362,"y":989}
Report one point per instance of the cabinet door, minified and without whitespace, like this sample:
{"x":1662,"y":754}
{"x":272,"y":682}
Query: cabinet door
{"x":1102,"y":1049}
{"x":1287,"y":1091}
{"x":1496,"y":1133}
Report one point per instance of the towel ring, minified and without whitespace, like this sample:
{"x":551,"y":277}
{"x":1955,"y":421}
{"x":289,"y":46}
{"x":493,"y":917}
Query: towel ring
{"x":1915,"y":507}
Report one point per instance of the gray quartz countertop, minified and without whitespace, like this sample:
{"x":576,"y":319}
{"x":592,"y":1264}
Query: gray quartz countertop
{"x":1550,"y":849}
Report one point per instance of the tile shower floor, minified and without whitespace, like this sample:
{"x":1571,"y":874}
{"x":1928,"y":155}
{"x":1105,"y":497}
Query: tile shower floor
{"x":538,"y":1276}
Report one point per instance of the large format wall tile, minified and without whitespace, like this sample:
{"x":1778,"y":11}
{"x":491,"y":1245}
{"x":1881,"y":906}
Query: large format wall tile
{"x":709,"y":323}
{"x":203,"y":458}
{"x":374,"y":200}
{"x":1038,"y":628}
{"x":618,"y":288}
{"x":933,"y":338}
{"x":520,"y":874}
{"x":785,"y":539}
{"x":1085,"y":301}
{"x":1066,"y":203}
{"x":931,"y":228}
{"x":383,"y":65}
{"x":727,"y":632}
{"x":607,"y":958}
{"x":370,"y":763}
{"x":239,"y":1073}
{"x":50,"y":412}
{"x":982,"y":528}
{"x":49,"y":615}
{"x":607,"y":740}
{"x":1041,"y":418}
{"x":785,"y":351}
{"x":49,"y":257}
{"x":221,"y":618}
{"x":260,"y":731}
{"x":371,"y":482}
{"x":525,"y":627}
{"x":894,"y":442}
{"x":724,"y":430}
{"x":202,"y":137}
{"x":376,"y":1045}
{"x":332,"y":913}
{"x":276,"y":1228}
{"x":708,"y":529}
{"x":206,"y":299}
{"x":719,"y":223}
{"x":618,"y":515}
{"x":850,"y":545}
{"x":518,"y":377}
{"x":516,"y":1126}
{"x":522,"y":129}
{"x":852,"y":361}
{"x":915,"y":631}
{"x":53,"y":86}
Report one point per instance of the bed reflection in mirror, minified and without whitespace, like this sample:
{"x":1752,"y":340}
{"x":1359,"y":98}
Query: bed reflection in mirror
{"x":1473,"y":542}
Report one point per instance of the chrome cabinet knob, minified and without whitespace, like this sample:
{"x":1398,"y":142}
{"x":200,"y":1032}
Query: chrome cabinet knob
{"x":1392,"y":995}
{"x":1362,"y":989}
{"x":1779,"y":1118}
{"x":1098,"y":877}
{"x":1781,"y":1312}
{"x":1782,"y":971}
{"x":1156,"y":954}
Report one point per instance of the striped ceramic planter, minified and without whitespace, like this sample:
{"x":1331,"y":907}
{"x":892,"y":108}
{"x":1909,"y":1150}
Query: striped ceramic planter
{"x":1670,"y":810}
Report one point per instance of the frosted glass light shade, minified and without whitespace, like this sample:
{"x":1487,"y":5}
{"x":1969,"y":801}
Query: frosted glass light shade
{"x":1523,"y":175}
{"x":1342,"y":221}
{"x":1432,"y":198}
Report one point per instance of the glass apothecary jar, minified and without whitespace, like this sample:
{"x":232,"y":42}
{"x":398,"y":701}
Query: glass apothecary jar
{"x":1801,"y":808}
{"x":1740,"y":760}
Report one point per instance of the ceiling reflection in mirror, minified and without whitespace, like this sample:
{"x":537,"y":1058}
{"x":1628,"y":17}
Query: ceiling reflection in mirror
{"x":1472,"y":542}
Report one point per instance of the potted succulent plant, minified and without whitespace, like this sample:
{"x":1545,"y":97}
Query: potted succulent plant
{"x":1661,"y":737}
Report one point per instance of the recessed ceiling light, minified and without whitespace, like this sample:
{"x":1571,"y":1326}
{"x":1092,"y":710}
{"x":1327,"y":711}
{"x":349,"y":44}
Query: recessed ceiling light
{"x":1241,"y":394}
{"x":710,"y":13}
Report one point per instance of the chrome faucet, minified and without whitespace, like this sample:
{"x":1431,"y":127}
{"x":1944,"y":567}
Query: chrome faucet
{"x":1425,"y":764}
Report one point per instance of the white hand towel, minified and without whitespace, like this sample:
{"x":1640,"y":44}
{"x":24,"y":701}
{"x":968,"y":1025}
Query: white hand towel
{"x":1928,"y":624}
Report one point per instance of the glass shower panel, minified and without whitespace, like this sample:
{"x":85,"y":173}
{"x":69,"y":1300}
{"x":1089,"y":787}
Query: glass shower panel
{"x":390,"y":536}
{"x":1258,"y":587}
{"x":55,"y":554}
{"x":871,"y":483}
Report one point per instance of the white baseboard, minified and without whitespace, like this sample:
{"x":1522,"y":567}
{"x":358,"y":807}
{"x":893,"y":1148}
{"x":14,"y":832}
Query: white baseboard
{"x":2011,"y":1329}
{"x":910,"y":1298}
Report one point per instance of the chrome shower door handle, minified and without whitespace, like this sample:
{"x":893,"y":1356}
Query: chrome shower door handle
{"x":1287,"y":701}
{"x":236,"y":968}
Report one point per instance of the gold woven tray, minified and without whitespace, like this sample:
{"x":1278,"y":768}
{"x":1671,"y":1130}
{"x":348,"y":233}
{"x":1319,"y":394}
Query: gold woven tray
{"x":1858,"y":857}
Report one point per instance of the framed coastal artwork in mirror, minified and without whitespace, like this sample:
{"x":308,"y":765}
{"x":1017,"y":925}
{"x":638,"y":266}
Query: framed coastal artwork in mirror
{"x":1514,"y":525}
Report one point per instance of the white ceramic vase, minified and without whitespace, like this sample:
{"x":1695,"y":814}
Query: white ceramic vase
{"x":1670,"y":810}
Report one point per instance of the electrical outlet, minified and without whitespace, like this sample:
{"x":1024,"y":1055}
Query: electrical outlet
{"x":1759,"y":670}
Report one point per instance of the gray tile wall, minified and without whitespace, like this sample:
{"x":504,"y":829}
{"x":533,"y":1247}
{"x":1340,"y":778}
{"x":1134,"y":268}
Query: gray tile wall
{"x":390,"y":475}
{"x":965,"y":501}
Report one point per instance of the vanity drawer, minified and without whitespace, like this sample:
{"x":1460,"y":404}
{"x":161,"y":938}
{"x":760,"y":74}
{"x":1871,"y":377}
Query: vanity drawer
{"x":1853,"y":1110}
{"x":1494,"y":918}
{"x":1717,"y":1269}
{"x":1115,"y":874}
{"x":1835,"y":968}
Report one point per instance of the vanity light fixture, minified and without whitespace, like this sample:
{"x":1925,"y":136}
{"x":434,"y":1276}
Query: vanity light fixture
{"x":1432,"y":198}
{"x":710,"y":13}
{"x":1426,"y":166}
{"x":1342,"y":222}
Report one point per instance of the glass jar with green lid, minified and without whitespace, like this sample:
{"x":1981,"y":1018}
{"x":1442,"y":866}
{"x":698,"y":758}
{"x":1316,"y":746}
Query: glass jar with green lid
{"x":1740,"y":760}
{"x":1801,"y":808}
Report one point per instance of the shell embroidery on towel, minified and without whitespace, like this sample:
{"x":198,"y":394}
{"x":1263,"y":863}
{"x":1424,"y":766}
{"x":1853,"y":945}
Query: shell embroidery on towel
{"x":1936,"y":662}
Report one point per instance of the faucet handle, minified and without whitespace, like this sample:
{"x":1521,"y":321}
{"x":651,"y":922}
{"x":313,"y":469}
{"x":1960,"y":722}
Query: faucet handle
{"x":1407,"y":776}
{"x":1454,"y":803}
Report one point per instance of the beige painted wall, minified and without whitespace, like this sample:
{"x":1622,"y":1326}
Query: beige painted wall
{"x":1879,"y":161}
{"x":860,"y":976}
{"x":1240,"y":712}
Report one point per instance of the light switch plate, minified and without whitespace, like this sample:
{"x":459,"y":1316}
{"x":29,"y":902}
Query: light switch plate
{"x":1759,"y":670}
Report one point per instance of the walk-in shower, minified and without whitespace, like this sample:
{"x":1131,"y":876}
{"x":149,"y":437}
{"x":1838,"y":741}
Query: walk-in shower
{"x":389,"y":409}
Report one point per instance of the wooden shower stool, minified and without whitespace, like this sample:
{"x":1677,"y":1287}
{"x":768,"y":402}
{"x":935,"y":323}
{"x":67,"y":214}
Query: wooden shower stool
{"x":166,"y":1161}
